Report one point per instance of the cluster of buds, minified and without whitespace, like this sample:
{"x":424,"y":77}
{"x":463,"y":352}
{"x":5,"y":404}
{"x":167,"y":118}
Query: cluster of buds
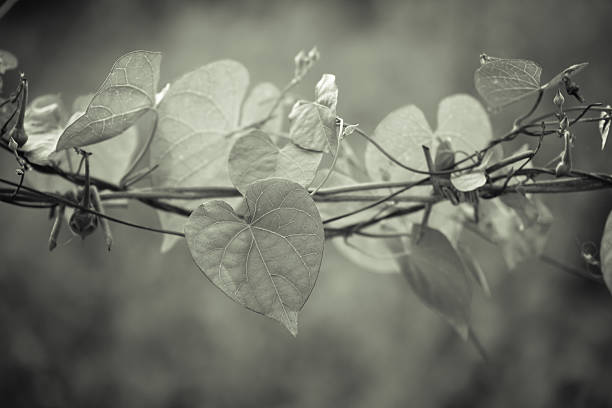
{"x":304,"y":61}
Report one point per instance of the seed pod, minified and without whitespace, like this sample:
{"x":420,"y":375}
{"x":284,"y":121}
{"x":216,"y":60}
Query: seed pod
{"x":83,"y":223}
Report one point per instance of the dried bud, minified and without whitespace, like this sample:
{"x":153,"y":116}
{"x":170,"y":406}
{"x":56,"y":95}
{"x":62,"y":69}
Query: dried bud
{"x":558,"y":100}
{"x":83,"y":223}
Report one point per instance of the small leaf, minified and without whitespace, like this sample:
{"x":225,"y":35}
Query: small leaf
{"x":268,"y":261}
{"x":470,"y":181}
{"x":437,"y":276}
{"x":128,"y":92}
{"x":604,"y":127}
{"x":313,"y":127}
{"x":504,"y":81}
{"x":7,"y":61}
{"x":255,"y":157}
{"x":606,"y":253}
{"x":326,"y":92}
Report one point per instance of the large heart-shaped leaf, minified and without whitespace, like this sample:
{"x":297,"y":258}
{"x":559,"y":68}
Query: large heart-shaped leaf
{"x":437,"y":276}
{"x":503,"y":81}
{"x":255,"y":157}
{"x":126,"y":94}
{"x":267,"y":260}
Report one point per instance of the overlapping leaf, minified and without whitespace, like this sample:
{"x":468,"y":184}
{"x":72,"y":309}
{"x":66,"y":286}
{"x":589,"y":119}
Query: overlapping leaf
{"x":126,"y":94}
{"x":267,"y":260}
{"x":197,"y":121}
{"x":437,"y":276}
{"x":255,"y":157}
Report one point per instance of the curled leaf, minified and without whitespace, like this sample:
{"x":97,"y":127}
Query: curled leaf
{"x":267,"y":260}
{"x":127,"y":93}
{"x":326,"y":92}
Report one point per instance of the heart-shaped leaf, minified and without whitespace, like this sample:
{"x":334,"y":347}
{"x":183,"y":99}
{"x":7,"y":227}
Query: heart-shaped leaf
{"x":437,"y":276}
{"x":197,"y":120}
{"x":267,"y":260}
{"x":504,"y":81}
{"x":462,"y":121}
{"x":255,"y":157}
{"x":126,"y":94}
{"x":258,"y":104}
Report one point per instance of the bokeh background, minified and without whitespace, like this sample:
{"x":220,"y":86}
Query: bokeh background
{"x":80,"y":327}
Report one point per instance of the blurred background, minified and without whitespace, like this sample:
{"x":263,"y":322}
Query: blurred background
{"x":80,"y":327}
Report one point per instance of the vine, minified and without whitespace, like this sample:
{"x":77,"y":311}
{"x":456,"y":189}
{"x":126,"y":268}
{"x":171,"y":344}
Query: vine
{"x":289,"y":187}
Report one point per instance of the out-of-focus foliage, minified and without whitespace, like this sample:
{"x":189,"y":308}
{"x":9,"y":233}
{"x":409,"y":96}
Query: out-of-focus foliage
{"x":84,"y":328}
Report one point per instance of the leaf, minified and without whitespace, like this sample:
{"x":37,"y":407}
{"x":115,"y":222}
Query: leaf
{"x":7,"y":61}
{"x":472,"y":265}
{"x":268,"y":261}
{"x":567,"y":72}
{"x":313,"y":127}
{"x":501,"y":82}
{"x":462,"y":121}
{"x":192,"y":142}
{"x":606,"y":252}
{"x":326,"y":92}
{"x":401,"y":133}
{"x":604,"y":127}
{"x":258,"y":104}
{"x":437,"y":276}
{"x":128,"y":92}
{"x":44,"y":122}
{"x":255,"y":157}
{"x":470,"y":181}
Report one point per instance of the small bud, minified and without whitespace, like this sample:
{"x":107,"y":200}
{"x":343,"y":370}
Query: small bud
{"x":562,"y":169}
{"x":83,"y":223}
{"x":19,"y":172}
{"x":558,"y":100}
{"x":18,"y":135}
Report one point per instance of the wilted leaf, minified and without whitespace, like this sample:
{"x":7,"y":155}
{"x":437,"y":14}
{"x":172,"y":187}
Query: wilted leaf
{"x":313,"y":127}
{"x":436,"y":275}
{"x":326,"y":92}
{"x":7,"y":61}
{"x":267,"y":261}
{"x":606,"y":252}
{"x":604,"y":127}
{"x":127,"y":93}
{"x":470,"y":181}
{"x":503,"y":81}
{"x":255,"y":157}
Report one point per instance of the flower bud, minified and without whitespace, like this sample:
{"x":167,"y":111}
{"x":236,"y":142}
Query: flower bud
{"x":558,"y":100}
{"x":83,"y":223}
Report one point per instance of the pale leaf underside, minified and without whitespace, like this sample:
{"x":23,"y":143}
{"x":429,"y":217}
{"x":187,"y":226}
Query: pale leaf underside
{"x":127,"y":93}
{"x":504,"y":81}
